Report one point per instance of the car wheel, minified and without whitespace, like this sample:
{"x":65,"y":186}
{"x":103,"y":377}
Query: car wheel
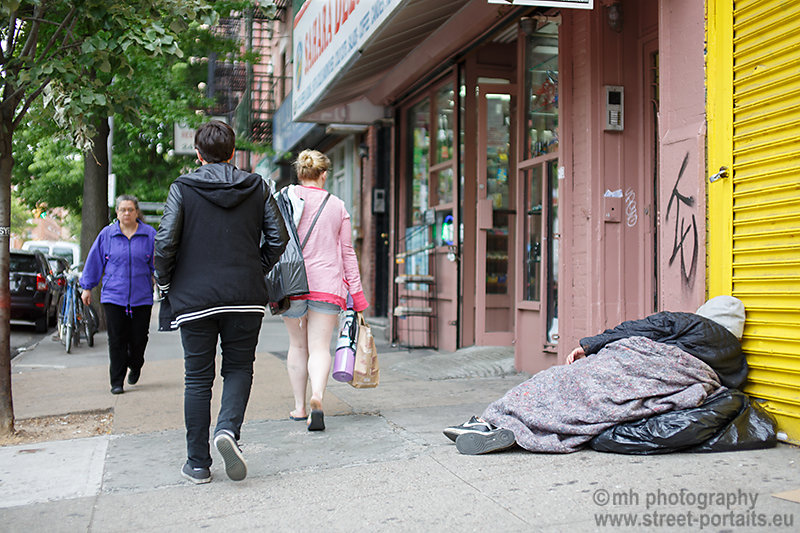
{"x":41,"y":324}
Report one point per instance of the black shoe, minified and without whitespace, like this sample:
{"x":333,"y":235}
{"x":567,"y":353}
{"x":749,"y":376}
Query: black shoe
{"x":196,"y":475}
{"x":316,"y":419}
{"x":228,"y":448}
{"x":133,"y":376}
{"x":473,"y":426}
{"x":478,"y":443}
{"x":117,"y":390}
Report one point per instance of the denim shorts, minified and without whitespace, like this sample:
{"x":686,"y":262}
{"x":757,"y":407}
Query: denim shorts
{"x":298,"y":308}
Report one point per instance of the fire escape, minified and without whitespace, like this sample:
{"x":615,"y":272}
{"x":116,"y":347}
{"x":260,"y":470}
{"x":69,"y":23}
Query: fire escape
{"x":246,"y":93}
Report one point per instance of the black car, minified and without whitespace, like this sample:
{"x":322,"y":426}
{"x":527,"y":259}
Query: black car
{"x":31,"y":282}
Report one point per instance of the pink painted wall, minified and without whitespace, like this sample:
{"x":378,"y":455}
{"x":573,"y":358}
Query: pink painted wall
{"x":682,"y":133}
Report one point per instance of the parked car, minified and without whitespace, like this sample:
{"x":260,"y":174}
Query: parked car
{"x":32,"y":296}
{"x":68,"y":250}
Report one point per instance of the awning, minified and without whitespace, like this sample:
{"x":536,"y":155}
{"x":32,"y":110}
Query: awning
{"x":350,"y":65}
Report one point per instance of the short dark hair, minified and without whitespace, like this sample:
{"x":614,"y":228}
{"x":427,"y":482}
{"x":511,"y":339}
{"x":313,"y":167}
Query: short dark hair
{"x":215,"y":141}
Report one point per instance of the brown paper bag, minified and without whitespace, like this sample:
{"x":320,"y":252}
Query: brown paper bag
{"x":366,"y":372}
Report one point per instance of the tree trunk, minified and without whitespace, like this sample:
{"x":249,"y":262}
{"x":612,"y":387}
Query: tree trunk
{"x":95,"y":188}
{"x":95,"y":199}
{"x":6,"y":164}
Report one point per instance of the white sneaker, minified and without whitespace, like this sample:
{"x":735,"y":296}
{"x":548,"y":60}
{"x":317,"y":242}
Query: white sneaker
{"x":228,"y":448}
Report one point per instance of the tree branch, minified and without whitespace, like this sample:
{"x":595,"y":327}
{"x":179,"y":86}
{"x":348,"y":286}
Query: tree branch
{"x":33,"y":36}
{"x":69,"y":16}
{"x":12,"y":26}
{"x":28,"y":101}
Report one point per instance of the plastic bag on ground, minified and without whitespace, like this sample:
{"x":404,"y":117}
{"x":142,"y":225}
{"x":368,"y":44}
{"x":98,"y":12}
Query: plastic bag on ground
{"x":729,"y":421}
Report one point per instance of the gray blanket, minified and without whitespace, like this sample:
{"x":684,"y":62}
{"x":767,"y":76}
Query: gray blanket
{"x":560,"y":409}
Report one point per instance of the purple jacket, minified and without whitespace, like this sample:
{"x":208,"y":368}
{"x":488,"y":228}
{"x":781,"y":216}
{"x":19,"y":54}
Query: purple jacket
{"x":125,"y":266}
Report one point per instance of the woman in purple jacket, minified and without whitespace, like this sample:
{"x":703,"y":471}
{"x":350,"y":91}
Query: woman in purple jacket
{"x":122,"y":256}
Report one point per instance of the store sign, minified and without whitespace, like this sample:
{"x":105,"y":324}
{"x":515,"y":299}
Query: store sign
{"x":285,"y":132}
{"x":184,"y":137}
{"x":575,"y":4}
{"x":327,"y":37}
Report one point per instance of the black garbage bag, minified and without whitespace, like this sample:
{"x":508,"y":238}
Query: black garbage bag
{"x":729,"y":421}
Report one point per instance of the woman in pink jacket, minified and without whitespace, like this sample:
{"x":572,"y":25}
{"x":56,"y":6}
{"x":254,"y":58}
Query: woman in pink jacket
{"x":332,"y":271}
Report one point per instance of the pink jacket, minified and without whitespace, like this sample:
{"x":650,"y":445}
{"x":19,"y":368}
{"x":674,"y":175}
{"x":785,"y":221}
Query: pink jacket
{"x":331,"y":262}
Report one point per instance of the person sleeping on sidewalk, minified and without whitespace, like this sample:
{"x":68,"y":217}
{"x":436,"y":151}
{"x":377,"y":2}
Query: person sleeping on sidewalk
{"x":665,"y":362}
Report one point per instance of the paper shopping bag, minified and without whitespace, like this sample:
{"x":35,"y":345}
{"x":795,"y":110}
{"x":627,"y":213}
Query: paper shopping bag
{"x":366,"y":372}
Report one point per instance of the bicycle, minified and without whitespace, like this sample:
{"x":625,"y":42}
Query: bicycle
{"x":75,"y":317}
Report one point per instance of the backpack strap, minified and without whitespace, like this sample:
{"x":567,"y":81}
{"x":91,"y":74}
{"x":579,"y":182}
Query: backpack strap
{"x":313,"y":222}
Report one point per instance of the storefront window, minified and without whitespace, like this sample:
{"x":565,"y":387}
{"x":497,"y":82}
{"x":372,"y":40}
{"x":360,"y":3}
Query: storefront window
{"x":444,"y":185}
{"x":533,"y":233}
{"x":444,"y":127}
{"x":554,"y":234}
{"x":419,"y":145}
{"x":539,"y":169}
{"x":498,"y":144}
{"x":541,"y":103}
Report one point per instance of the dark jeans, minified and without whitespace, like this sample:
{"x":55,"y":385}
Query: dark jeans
{"x":238,"y":336}
{"x":127,"y":339}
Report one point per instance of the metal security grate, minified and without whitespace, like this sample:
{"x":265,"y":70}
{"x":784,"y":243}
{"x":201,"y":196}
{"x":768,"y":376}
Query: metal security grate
{"x":766,"y":199}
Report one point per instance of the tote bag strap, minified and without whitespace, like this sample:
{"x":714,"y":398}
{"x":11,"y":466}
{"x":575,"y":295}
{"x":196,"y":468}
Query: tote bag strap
{"x":313,"y":222}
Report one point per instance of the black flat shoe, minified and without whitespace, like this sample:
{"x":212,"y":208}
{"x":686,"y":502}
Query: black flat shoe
{"x":316,"y":420}
{"x":117,"y":390}
{"x":133,"y":376}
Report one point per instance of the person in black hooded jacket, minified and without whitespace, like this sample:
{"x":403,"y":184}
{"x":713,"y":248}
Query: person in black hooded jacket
{"x":220,"y":233}
{"x":712,"y":334}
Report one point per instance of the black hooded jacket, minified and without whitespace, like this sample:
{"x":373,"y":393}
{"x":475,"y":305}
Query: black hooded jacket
{"x":696,"y":335}
{"x":209,"y":255}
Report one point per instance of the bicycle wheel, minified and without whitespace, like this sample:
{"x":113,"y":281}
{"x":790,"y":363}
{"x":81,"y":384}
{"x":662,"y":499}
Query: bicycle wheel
{"x":89,"y":324}
{"x":68,"y":337}
{"x":60,"y":323}
{"x":69,"y":327}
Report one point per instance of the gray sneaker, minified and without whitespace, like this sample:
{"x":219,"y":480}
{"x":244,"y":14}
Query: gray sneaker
{"x":474,"y":425}
{"x":196,"y":475}
{"x":228,"y":448}
{"x":478,"y":443}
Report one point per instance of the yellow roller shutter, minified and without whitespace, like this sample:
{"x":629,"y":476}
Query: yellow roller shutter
{"x":757,"y":209}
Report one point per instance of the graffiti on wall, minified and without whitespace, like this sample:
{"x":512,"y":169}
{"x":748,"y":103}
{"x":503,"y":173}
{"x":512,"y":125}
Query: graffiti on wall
{"x":631,"y":215}
{"x":684,"y":242}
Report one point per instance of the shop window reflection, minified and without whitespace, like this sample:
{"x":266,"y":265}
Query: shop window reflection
{"x":541,"y":104}
{"x":533,"y":233}
{"x":419,"y":144}
{"x":554,"y":233}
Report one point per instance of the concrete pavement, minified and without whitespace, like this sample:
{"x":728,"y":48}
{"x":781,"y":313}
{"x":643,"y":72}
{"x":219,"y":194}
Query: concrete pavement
{"x":382,"y":464}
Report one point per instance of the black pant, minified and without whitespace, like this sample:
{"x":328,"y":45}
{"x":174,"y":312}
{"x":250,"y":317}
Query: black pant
{"x":127,"y":339}
{"x":238,"y":336}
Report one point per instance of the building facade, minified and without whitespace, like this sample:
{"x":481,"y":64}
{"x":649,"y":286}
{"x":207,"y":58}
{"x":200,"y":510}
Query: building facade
{"x":529,"y":175}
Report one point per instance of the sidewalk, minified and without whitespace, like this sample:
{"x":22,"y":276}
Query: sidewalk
{"x":382,"y":464}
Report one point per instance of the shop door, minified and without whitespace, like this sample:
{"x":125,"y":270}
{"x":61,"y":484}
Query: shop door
{"x":494,"y":286}
{"x":754,"y":205}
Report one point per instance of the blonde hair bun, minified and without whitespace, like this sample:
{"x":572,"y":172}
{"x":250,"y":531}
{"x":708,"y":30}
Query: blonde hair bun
{"x":310,"y":165}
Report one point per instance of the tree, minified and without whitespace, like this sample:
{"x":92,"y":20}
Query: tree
{"x":20,"y":218}
{"x":65,"y":51}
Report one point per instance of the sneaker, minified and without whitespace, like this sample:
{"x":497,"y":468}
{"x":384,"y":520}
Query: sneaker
{"x":133,"y":376}
{"x":473,"y":426}
{"x":228,"y":448}
{"x":477,"y":443}
{"x":196,"y":475}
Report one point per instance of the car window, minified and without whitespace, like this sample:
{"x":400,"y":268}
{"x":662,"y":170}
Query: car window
{"x":43,"y":249}
{"x":22,"y":263}
{"x":66,"y":253}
